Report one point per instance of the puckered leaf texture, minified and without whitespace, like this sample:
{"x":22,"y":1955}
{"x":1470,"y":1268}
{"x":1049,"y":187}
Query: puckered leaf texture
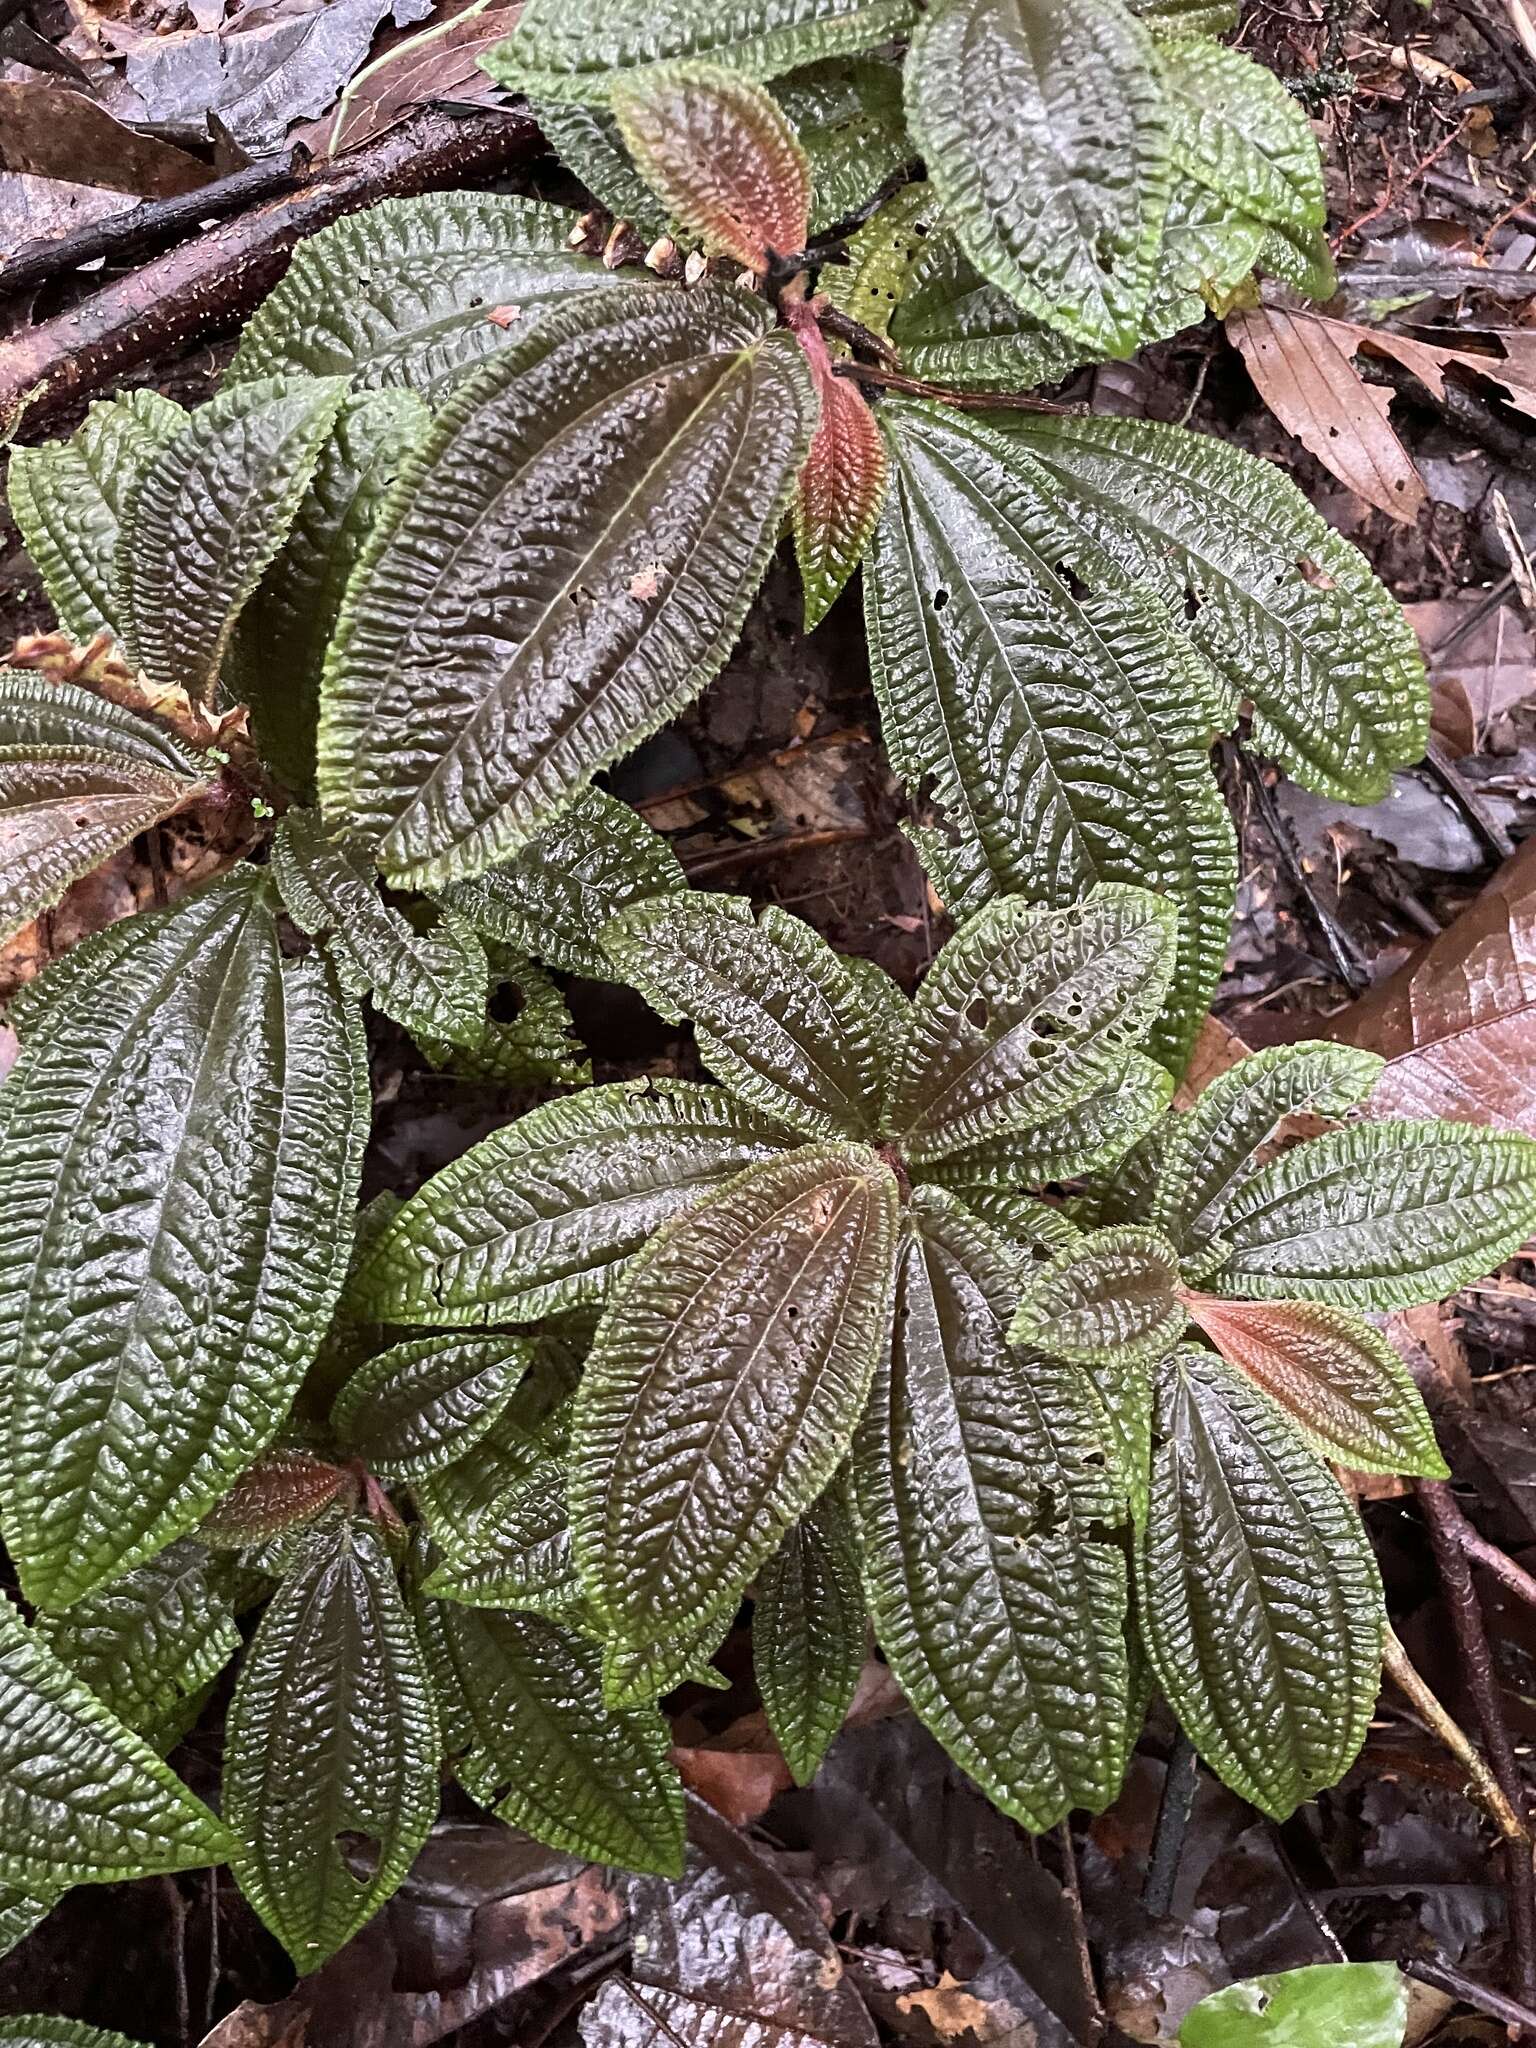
{"x":184,"y":1140}
{"x":1109,"y":1298}
{"x":83,"y":1800}
{"x":848,"y":115}
{"x":639,"y":1675}
{"x":519,"y":1553}
{"x":36,"y":2030}
{"x":529,"y":1737}
{"x":721,"y":1392}
{"x":538,"y":1216}
{"x":1256,"y":1589}
{"x":562,"y":566}
{"x":1241,"y":134}
{"x":417,"y":1407}
{"x":809,"y":1632}
{"x":332,"y":1734}
{"x":842,"y":483}
{"x":79,"y":778}
{"x":1045,"y":131}
{"x":499,"y":1510}
{"x":986,"y":1513}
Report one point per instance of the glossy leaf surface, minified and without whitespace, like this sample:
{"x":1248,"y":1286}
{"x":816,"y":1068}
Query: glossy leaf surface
{"x":724,"y":1384}
{"x":563,"y":566}
{"x":183,"y":1146}
{"x":1241,"y":134}
{"x":418,"y":1406}
{"x":809,"y":1632}
{"x":282,"y":1491}
{"x":842,"y":483}
{"x":639,"y":1675}
{"x":1110,"y":1298}
{"x":1091,"y":1136}
{"x":36,"y":2030}
{"x":518,"y":1554}
{"x":847,"y":113}
{"x":954,"y":327}
{"x":1363,"y":2004}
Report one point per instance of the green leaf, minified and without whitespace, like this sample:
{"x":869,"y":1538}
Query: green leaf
{"x":848,"y":115}
{"x":1334,"y":1374}
{"x":538,"y":1216}
{"x":83,"y":1800}
{"x":1259,"y":1601}
{"x":555,"y":897}
{"x":154,"y":1342}
{"x":570,"y":49}
{"x":1025,"y":1013}
{"x":529,"y":1737}
{"x":151,"y":1645}
{"x":1288,"y":612}
{"x":36,"y":2030}
{"x":418,"y":1407}
{"x":70,"y":498}
{"x":520,"y":1555}
{"x":1090,"y":1137}
{"x":723,"y":1386}
{"x":1035,"y":1228}
{"x":1209,"y":248}
{"x":1208,"y":1151}
{"x":538,"y":1044}
{"x":587,"y":141}
{"x":809,"y":1632}
{"x":402,"y":292}
{"x":1109,"y":1299}
{"x":777,"y":1015}
{"x":1045,"y":131}
{"x":280,"y":642}
{"x":528,"y":609}
{"x":1237,"y":131}
{"x":1187,"y":17}
{"x":19,"y":1914}
{"x":955,"y":328}
{"x":435,"y":983}
{"x":79,"y":778}
{"x":1363,"y":2004}
{"x":639,"y":1676}
{"x":1379,"y":1216}
{"x":985,"y":1505}
{"x":211,"y":511}
{"x":332,"y":1732}
{"x":1044,"y":699}
{"x":881,"y":255}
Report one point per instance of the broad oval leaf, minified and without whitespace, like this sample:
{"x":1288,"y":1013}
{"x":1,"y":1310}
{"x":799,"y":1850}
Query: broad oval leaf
{"x":282,"y":1491}
{"x":1333,"y":1373}
{"x":778,"y":1016}
{"x":402,"y":293}
{"x":722,"y":157}
{"x":151,"y":1645}
{"x":519,"y":1553}
{"x":1112,"y":1298}
{"x":848,"y":115}
{"x":332,"y":1733}
{"x":70,"y":498}
{"x":538,"y":1216}
{"x":83,"y":1800}
{"x":1239,"y":132}
{"x":842,"y":483}
{"x":723,"y":1386}
{"x":435,"y":983}
{"x":1379,"y":1215}
{"x":1045,"y":700}
{"x":1362,"y":2004}
{"x":79,"y":778}
{"x":528,"y":1736}
{"x":1090,"y":1137}
{"x":212,"y":509}
{"x":1044,"y":126}
{"x":986,"y":1511}
{"x":1025,"y":1013}
{"x":36,"y":2030}
{"x":563,"y":565}
{"x":417,"y":1407}
{"x":571,"y":49}
{"x":809,"y":1632}
{"x":554,"y":899}
{"x":1259,"y":1600}
{"x":153,"y":1343}
{"x":870,"y":286}
{"x":1288,"y":612}
{"x":953,"y":327}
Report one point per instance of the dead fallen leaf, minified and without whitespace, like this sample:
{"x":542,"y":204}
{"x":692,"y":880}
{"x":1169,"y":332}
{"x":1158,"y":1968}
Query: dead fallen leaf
{"x":52,"y":131}
{"x":740,"y":1782}
{"x":440,"y":63}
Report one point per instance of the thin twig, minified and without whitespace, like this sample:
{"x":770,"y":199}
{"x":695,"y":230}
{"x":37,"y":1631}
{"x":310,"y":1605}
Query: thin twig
{"x":1494,"y":2003}
{"x":1341,"y":949}
{"x":963,"y":401}
{"x":1074,"y":1892}
{"x":758,"y":850}
{"x":1438,"y":761}
{"x":1490,"y":1795}
{"x":1174,"y":1809}
{"x":1513,"y":1577}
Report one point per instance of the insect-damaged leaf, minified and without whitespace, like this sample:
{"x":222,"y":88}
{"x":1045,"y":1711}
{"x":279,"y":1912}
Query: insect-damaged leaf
{"x":1109,"y":1299}
{"x":332,"y":1733}
{"x":980,"y":1474}
{"x":842,"y":483}
{"x":779,"y":1017}
{"x":809,"y":1632}
{"x":848,"y":116}
{"x":79,"y":778}
{"x":529,"y":1737}
{"x":212,"y":508}
{"x":563,"y":565}
{"x":1261,"y":1608}
{"x":570,"y":49}
{"x":538,"y":1216}
{"x":419,"y":1406}
{"x":724,"y":1384}
{"x":719,"y":152}
{"x":1045,"y":131}
{"x":83,"y":1800}
{"x":152,"y":1344}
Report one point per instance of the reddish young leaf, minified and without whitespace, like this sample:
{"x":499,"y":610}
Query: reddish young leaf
{"x":722,"y":158}
{"x":281,"y":1491}
{"x":1334,"y":1372}
{"x":842,"y":482}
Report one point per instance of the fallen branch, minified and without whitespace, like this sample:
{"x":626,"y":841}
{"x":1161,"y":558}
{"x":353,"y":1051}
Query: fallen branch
{"x":205,"y":286}
{"x":1490,"y":1794}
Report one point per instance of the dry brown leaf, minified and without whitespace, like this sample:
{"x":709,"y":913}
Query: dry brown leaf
{"x":52,"y":131}
{"x":438,"y":63}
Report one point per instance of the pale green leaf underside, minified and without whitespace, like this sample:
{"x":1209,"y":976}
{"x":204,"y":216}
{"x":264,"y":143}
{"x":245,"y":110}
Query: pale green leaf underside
{"x":184,"y":1139}
{"x":809,"y":1632}
{"x":332,"y":1732}
{"x":538,"y":1216}
{"x":985,"y":1506}
{"x":1363,"y":2004}
{"x":1257,"y":1591}
{"x":417,"y":1407}
{"x":724,"y":1383}
{"x":563,"y":565}
{"x":1108,"y":1299}
{"x":83,"y":1800}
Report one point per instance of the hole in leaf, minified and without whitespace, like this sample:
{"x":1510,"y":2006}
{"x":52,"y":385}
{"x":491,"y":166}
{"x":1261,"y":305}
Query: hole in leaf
{"x":792,"y":1311}
{"x":977,"y":1012}
{"x":506,"y":1004}
{"x":362,"y":1855}
{"x":1192,"y":602}
{"x":940,"y":599}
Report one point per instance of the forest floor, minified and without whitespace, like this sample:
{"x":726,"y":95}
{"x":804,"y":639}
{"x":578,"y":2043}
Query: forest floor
{"x":912,"y":1912}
